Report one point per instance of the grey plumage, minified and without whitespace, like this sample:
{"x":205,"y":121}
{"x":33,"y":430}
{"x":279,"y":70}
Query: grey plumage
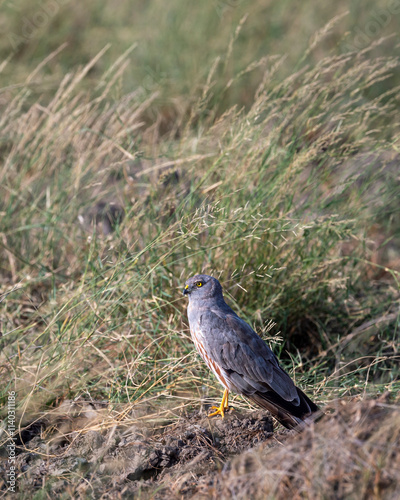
{"x":241,"y":360}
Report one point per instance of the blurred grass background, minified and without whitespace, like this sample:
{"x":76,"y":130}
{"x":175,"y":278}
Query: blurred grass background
{"x":176,"y":47}
{"x":257,"y":141}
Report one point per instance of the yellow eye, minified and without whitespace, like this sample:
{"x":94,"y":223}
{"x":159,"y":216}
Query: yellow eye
{"x":199,"y":283}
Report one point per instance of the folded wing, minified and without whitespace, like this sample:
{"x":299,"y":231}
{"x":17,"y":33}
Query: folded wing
{"x":253,"y":369}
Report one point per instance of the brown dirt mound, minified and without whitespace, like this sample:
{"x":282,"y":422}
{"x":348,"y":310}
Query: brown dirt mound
{"x":352,"y":452}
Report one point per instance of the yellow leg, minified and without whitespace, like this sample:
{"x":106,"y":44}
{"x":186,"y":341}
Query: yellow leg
{"x":223,"y":406}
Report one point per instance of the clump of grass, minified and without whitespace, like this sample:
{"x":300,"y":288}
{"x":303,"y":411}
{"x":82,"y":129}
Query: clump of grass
{"x":260,"y":197}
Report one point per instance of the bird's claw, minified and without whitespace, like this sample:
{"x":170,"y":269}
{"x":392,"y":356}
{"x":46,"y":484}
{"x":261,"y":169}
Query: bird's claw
{"x":223,"y":407}
{"x":220,"y":410}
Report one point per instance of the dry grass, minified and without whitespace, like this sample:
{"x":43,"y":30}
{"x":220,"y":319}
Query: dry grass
{"x":353,"y":453}
{"x":290,"y":201}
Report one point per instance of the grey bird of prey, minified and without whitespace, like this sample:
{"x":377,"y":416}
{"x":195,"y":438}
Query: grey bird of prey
{"x":239,"y":358}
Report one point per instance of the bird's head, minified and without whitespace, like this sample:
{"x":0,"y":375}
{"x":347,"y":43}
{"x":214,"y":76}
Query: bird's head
{"x":202,"y":286}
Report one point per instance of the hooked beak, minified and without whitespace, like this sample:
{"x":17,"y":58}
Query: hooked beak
{"x":186,"y":290}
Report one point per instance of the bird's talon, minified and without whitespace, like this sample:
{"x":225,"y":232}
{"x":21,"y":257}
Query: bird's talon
{"x":217,"y":408}
{"x":219,"y":411}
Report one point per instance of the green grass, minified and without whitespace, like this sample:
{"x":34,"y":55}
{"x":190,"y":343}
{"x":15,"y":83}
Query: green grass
{"x":243,"y":140}
{"x":279,"y":178}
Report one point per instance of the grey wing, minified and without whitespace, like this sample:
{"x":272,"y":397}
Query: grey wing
{"x":251,"y":365}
